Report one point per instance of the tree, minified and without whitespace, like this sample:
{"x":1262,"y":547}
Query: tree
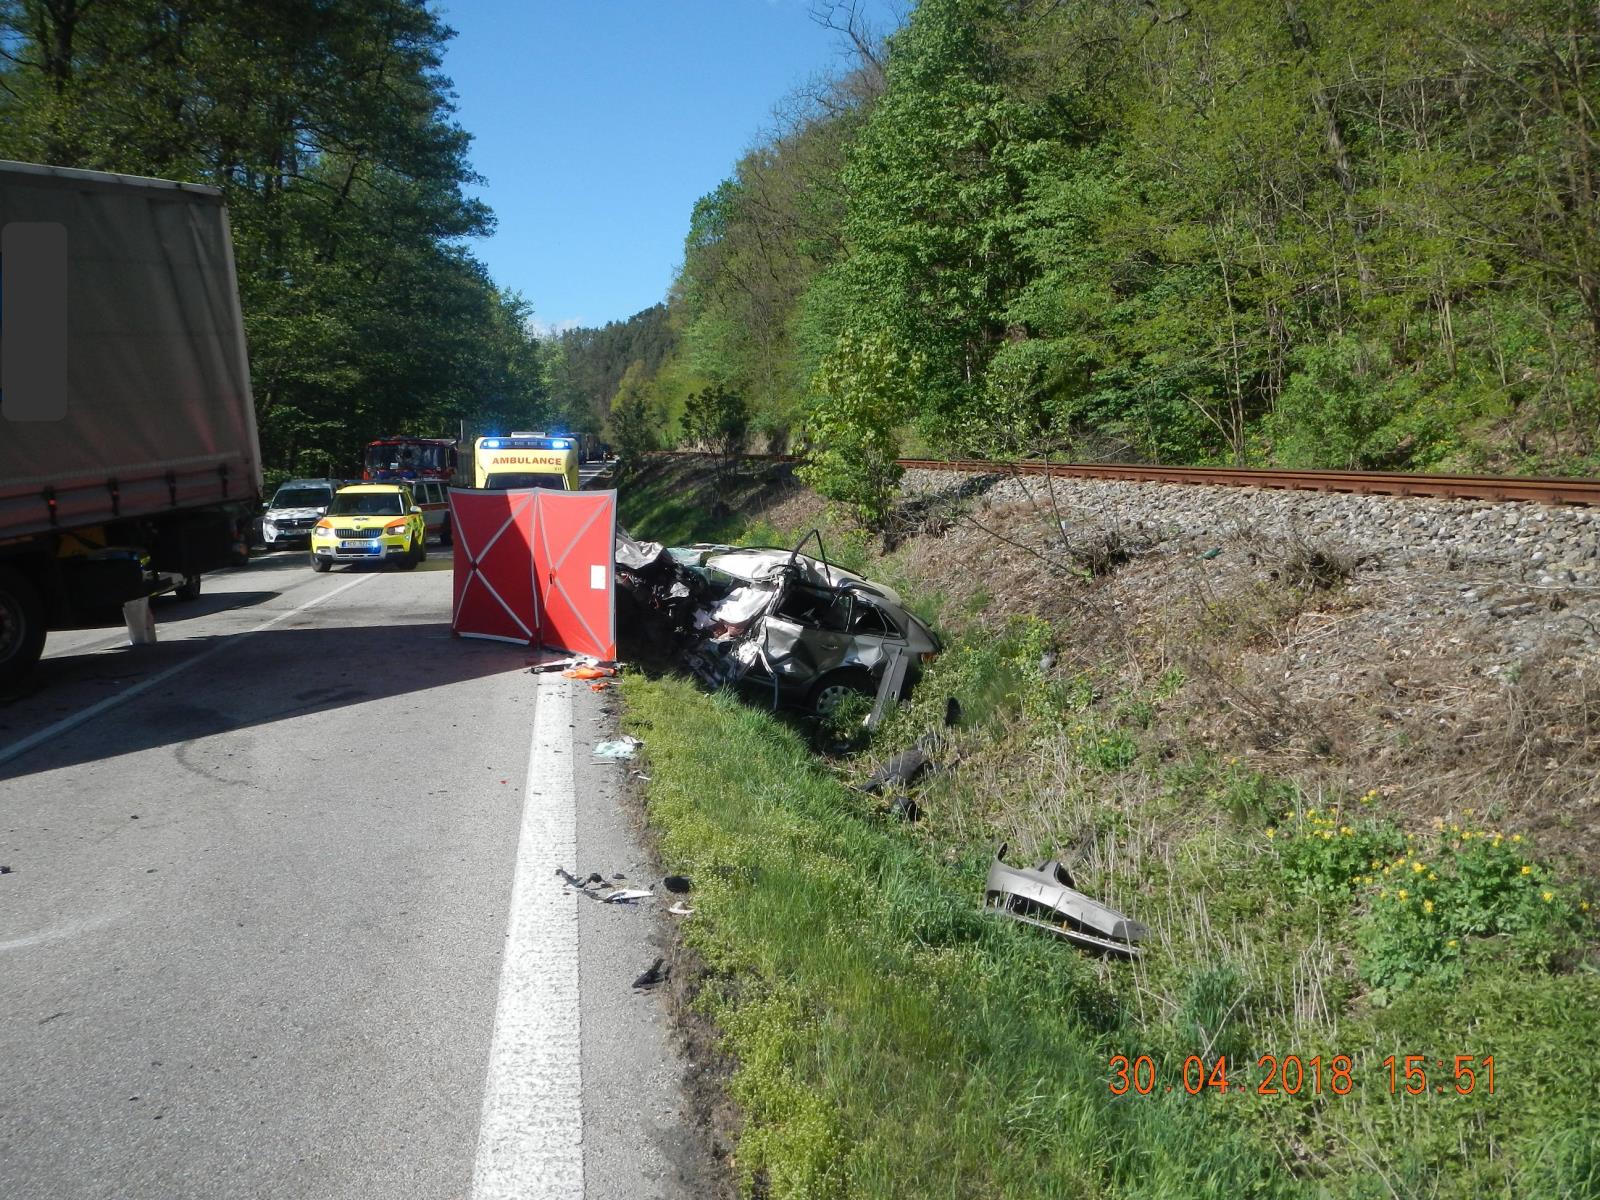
{"x":635,"y":422}
{"x":717,"y":420}
{"x":863,"y":392}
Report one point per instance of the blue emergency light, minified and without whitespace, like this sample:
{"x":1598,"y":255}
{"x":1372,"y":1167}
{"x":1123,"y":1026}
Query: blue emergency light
{"x":492,"y":444}
{"x":560,"y":444}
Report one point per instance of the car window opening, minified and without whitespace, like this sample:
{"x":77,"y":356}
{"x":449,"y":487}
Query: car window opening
{"x":531,"y":479}
{"x":368,"y":504}
{"x":815,"y":608}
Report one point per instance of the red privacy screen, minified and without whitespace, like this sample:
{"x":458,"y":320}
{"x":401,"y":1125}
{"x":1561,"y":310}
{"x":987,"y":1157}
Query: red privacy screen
{"x":574,"y":543}
{"x":534,"y":567}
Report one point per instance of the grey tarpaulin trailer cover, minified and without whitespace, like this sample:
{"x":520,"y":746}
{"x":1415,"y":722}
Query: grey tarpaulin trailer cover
{"x":157,"y":382}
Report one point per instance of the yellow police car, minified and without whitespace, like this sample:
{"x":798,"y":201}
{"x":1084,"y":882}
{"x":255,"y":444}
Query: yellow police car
{"x":370,"y":522}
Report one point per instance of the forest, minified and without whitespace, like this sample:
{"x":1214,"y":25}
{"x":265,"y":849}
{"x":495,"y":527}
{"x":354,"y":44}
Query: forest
{"x":330,"y":130}
{"x":1302,"y":233}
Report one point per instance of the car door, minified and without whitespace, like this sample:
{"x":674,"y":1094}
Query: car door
{"x":808,"y":631}
{"x":433,"y":507}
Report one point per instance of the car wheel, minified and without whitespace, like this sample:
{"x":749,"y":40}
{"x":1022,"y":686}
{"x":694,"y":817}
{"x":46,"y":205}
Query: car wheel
{"x":321,"y":564}
{"x":21,"y":626}
{"x":833,"y":689}
{"x":189,"y":589}
{"x":409,"y":559}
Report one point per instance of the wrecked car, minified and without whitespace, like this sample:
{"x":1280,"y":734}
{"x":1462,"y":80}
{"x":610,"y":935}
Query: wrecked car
{"x":795,"y":631}
{"x":1044,"y":896}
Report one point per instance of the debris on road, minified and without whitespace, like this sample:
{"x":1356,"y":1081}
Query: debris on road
{"x":682,"y":910}
{"x":677,"y":883}
{"x":588,"y":673}
{"x":626,"y":895}
{"x":624,"y":747}
{"x":653,"y":975}
{"x":1044,"y":896}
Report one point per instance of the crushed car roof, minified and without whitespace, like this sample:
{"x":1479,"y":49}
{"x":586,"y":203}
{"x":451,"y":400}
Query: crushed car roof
{"x":760,"y":564}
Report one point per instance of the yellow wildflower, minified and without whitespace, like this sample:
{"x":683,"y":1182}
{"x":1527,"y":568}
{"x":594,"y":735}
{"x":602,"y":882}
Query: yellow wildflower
{"x":1432,"y":876}
{"x":1527,"y":870}
{"x":1451,"y":943}
{"x":1427,"y":906}
{"x":1326,"y":834}
{"x":1402,"y":893}
{"x":1417,"y":868}
{"x":1516,"y":837}
{"x":1548,"y":896}
{"x":1344,"y":830}
{"x":1584,"y":905}
{"x":1271,"y":832}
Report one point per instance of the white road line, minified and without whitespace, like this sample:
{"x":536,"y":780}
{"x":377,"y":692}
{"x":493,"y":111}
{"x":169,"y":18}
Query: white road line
{"x":17,"y":748}
{"x":530,"y":1137}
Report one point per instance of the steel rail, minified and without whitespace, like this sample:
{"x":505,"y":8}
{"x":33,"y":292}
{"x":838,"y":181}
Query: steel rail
{"x":1498,"y":488}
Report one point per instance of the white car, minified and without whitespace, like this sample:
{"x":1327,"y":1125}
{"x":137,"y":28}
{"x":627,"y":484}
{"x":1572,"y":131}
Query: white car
{"x":293,"y":510}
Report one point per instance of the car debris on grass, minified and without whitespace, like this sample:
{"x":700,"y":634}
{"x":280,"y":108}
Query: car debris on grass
{"x":1044,"y":896}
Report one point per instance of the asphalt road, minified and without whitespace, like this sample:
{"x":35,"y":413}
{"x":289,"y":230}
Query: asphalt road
{"x":253,"y":932}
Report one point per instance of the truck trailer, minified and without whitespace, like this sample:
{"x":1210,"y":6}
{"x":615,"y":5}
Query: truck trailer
{"x":129,"y":461}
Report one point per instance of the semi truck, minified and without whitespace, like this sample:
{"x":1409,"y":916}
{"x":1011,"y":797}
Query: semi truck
{"x":129,"y":460}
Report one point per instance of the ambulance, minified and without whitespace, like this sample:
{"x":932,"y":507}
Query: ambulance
{"x":526,"y":460}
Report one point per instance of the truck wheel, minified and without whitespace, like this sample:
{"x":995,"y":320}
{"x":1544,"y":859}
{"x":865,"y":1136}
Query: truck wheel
{"x":189,"y":589}
{"x":21,"y":626}
{"x":321,"y":564}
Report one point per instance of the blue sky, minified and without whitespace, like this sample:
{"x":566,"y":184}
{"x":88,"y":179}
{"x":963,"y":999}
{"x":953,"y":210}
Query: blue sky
{"x":598,"y":123}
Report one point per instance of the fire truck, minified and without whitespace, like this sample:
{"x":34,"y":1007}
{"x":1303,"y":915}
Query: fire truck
{"x":397,"y":459}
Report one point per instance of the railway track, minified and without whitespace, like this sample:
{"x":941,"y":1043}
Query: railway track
{"x":1525,"y":488}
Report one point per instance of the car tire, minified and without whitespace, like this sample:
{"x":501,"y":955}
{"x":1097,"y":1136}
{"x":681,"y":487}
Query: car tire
{"x":321,"y":564}
{"x":189,"y":589}
{"x":831,"y":689}
{"x":21,"y":626}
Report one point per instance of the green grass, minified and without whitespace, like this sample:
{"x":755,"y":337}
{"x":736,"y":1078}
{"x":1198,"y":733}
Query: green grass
{"x":893,"y":1041}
